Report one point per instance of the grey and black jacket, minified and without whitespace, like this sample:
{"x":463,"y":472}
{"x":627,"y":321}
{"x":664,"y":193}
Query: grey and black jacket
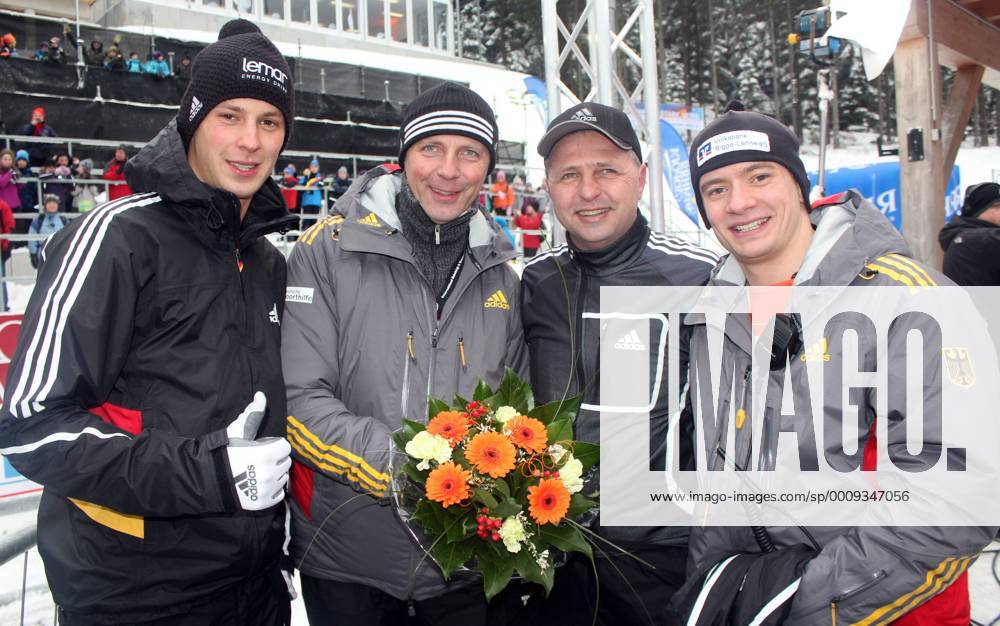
{"x":870,"y":575}
{"x":558,"y":288}
{"x":363,"y":348}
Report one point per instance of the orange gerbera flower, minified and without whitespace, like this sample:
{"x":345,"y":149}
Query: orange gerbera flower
{"x":452,"y":425}
{"x":528,"y":433}
{"x":448,"y":484}
{"x":549,"y":501}
{"x":491,"y":453}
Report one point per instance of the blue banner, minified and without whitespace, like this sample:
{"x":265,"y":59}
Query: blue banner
{"x":879,"y":183}
{"x":675,"y":168}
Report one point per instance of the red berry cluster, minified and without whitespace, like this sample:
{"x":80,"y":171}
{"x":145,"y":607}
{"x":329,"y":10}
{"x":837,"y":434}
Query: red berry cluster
{"x":476,"y":409}
{"x":545,"y":474}
{"x":489,"y":527}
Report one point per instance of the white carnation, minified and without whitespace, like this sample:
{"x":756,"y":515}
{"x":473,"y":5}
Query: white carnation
{"x":571,"y":474}
{"x":427,"y":448}
{"x":512,"y":533}
{"x":504,"y":413}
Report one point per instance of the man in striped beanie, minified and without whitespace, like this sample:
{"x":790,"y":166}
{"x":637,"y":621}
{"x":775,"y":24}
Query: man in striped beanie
{"x":403,"y":295}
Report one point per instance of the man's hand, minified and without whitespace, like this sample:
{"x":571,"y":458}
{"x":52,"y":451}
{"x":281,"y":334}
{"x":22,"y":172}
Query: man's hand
{"x":260,"y":471}
{"x":247,"y":423}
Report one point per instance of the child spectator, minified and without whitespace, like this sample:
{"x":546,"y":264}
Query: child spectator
{"x":42,"y":54}
{"x":312,"y":200}
{"x":48,"y":222}
{"x":183,"y":69}
{"x":114,"y":61}
{"x":27,"y":191}
{"x":114,"y":170}
{"x":85,"y":193}
{"x":8,"y":46}
{"x":289,"y":181}
{"x":58,"y":181}
{"x":341,"y":183}
{"x":531,"y":219}
{"x":8,"y":181}
{"x":133,"y":64}
{"x":502,"y":195}
{"x":156,"y":65}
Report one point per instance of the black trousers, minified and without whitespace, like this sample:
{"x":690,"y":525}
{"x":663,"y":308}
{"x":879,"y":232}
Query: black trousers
{"x":260,"y":601}
{"x":333,"y":603}
{"x":631,"y":594}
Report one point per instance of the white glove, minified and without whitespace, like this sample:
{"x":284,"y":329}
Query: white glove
{"x":246,"y":425}
{"x":260,"y":471}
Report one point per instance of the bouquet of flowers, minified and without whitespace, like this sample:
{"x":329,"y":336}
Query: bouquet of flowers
{"x":493,"y":484}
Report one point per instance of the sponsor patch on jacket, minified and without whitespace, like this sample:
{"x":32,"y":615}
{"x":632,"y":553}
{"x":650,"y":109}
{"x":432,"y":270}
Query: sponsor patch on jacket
{"x":497,"y":301}
{"x":370,"y":220}
{"x":731,"y":142}
{"x":299,"y":294}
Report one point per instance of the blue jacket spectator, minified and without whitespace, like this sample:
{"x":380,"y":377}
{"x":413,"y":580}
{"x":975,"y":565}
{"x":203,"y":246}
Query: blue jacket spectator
{"x":156,"y":66}
{"x":311,"y":200}
{"x":48,"y":222}
{"x":133,"y":64}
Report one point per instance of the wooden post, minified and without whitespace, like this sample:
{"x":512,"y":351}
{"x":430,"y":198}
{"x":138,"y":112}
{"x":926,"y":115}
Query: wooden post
{"x":921,"y":184}
{"x":955,"y":116}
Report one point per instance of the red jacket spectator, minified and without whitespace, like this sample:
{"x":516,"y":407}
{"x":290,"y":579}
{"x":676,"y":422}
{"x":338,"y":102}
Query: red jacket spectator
{"x":115,"y":170}
{"x":530,"y":220}
{"x":7,"y":227}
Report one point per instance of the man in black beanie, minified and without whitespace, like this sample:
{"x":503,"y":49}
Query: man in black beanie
{"x":971,"y":240}
{"x":406,"y":294}
{"x":146,"y":391}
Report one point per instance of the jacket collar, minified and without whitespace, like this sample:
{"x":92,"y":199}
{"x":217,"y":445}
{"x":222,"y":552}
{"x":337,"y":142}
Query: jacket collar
{"x":214,"y":214}
{"x":618,"y":255}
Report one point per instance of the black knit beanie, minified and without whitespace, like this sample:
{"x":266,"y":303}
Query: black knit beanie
{"x":738,"y":136}
{"x":449,"y":109}
{"x":243,"y":63}
{"x":980,"y":197}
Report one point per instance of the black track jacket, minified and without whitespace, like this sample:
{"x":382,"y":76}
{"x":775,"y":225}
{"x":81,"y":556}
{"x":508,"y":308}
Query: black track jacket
{"x":142,"y":341}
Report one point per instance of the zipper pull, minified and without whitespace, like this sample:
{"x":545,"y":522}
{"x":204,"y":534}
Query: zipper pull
{"x":833,"y":613}
{"x":741,"y":413}
{"x":461,"y":351}
{"x":434,"y":337}
{"x":409,"y":345}
{"x":239,"y":261}
{"x":437,"y":234}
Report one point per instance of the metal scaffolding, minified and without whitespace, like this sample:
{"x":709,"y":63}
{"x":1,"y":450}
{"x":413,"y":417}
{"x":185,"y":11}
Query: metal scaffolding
{"x":598,"y":59}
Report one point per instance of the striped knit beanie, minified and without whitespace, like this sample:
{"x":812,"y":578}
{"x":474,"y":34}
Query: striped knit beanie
{"x":449,"y":109}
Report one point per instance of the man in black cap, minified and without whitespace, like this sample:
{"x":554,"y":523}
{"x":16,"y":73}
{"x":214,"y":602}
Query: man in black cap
{"x":595,"y":176}
{"x":146,"y":393}
{"x":405,"y":294}
{"x":971,"y":240}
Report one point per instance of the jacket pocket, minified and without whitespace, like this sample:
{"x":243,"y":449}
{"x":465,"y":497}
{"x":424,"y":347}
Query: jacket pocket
{"x":854,"y":591}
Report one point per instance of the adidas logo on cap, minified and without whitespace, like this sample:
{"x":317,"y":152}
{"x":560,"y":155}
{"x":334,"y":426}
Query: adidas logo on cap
{"x":195,"y":107}
{"x":584,"y":115}
{"x":630,"y":341}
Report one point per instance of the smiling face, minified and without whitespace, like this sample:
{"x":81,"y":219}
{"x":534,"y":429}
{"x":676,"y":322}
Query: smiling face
{"x":236,"y":146}
{"x":6,"y":160}
{"x":445,"y":173}
{"x":758,"y":214}
{"x":595,"y":188}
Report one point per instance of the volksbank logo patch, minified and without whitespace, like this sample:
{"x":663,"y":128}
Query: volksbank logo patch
{"x":260,"y":71}
{"x":584,"y":115}
{"x":246,"y":482}
{"x":630,"y":341}
{"x":733,"y":141}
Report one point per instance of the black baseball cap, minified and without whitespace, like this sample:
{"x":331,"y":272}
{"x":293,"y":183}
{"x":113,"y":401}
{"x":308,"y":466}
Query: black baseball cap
{"x":608,"y":121}
{"x":980,"y":197}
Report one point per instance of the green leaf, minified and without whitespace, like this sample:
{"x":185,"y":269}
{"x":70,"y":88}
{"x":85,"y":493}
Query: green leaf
{"x":482,"y":391}
{"x":578,"y":505}
{"x":431,"y":517}
{"x":557,"y":409}
{"x":459,"y":458}
{"x":459,"y":403}
{"x":560,"y":430}
{"x":452,"y":555}
{"x":502,"y":487}
{"x":411,"y":428}
{"x":497,"y":571}
{"x":514,"y":391}
{"x":588,"y":453}
{"x":459,"y":529}
{"x":528,"y":568}
{"x":435,"y":406}
{"x":398,"y":438}
{"x":417,"y":476}
{"x":486,"y":498}
{"x":506,"y":508}
{"x":565,"y":537}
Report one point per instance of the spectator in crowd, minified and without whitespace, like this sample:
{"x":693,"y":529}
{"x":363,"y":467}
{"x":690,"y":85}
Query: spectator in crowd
{"x":95,"y":55}
{"x":529,"y":195}
{"x":518,"y":188}
{"x":85,"y":194}
{"x":8,"y":180}
{"x":8,"y":46}
{"x":133,"y":64}
{"x":156,"y":65}
{"x":42,"y":54}
{"x":971,"y":240}
{"x":28,"y":191}
{"x":289,"y":180}
{"x":55,"y":54}
{"x":502,"y":195}
{"x":114,"y":61}
{"x":341,"y":183}
{"x":183,"y":69}
{"x":312,"y":199}
{"x":6,"y":227}
{"x":47,"y":222}
{"x":62,"y":160}
{"x":38,"y":128}
{"x":58,"y":181}
{"x":530,"y":219}
{"x":114,"y":170}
